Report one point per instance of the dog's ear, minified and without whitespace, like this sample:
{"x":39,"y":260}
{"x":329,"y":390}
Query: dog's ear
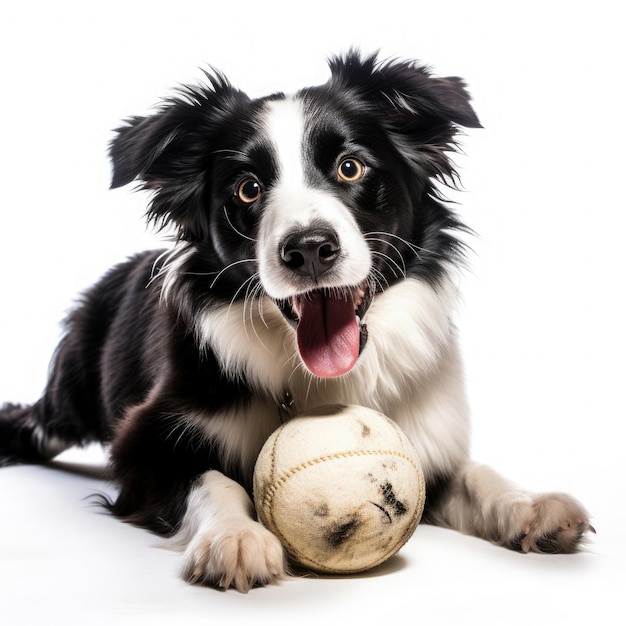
{"x":170,"y":152}
{"x":137,"y":148}
{"x":406,"y":90}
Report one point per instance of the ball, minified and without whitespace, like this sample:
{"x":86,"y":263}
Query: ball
{"x":341,"y":487}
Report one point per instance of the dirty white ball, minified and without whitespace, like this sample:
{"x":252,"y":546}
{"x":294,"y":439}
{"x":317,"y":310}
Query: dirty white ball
{"x":341,"y":487}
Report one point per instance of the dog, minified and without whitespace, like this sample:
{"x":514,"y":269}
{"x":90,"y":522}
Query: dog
{"x":314,"y":262}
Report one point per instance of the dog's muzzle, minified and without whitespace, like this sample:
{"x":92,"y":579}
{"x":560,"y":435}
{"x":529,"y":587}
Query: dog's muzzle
{"x":328,"y":321}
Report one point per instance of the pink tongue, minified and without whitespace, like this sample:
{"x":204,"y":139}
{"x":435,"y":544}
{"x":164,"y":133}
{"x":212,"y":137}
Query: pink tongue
{"x":328,"y":334}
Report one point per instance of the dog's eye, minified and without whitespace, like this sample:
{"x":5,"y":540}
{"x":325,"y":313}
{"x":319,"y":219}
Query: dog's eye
{"x":249,"y":190}
{"x":350,"y":170}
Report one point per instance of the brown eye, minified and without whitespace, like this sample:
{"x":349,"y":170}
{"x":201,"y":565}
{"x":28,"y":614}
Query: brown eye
{"x":350,"y":170}
{"x":249,"y":190}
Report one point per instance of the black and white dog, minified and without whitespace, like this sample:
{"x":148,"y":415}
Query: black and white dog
{"x":314,"y":263}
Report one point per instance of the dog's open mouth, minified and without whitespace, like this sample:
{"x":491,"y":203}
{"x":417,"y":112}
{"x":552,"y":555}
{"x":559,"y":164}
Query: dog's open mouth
{"x":329,"y":326}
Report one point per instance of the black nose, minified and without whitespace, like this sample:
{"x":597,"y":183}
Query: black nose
{"x":310,"y":252}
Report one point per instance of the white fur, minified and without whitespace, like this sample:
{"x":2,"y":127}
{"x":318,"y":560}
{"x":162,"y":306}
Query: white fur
{"x":409,"y":370}
{"x":293,"y":204}
{"x":284,"y":123}
{"x":257,"y":418}
{"x":223,"y":543}
{"x":171,"y":263}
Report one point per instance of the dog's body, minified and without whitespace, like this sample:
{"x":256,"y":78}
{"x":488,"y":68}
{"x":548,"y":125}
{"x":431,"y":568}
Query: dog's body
{"x":315,"y":264}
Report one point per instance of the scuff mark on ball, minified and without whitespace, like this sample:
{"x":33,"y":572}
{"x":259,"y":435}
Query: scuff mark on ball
{"x":321,"y":510}
{"x":340,"y":533}
{"x":399,"y":508}
{"x":387,"y":519}
{"x":366,"y":431}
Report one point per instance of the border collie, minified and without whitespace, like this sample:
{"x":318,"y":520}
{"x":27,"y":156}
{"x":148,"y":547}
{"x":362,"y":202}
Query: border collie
{"x":315,"y":262}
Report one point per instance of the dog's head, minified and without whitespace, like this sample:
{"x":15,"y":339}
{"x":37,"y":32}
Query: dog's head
{"x":319,"y":200}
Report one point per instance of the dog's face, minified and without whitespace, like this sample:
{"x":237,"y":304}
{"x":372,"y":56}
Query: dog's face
{"x":319,"y":200}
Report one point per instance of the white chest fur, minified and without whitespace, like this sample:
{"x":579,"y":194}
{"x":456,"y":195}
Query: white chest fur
{"x":409,"y":370}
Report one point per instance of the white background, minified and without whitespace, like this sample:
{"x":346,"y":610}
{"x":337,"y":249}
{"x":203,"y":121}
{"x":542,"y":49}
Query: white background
{"x":543,"y":320}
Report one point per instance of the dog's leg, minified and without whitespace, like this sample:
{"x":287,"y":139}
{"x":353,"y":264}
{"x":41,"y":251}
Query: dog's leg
{"x":224,"y":545}
{"x":480,"y":502}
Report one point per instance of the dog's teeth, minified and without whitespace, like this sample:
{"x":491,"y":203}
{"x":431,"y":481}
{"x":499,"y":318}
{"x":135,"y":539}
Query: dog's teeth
{"x":357,"y":295}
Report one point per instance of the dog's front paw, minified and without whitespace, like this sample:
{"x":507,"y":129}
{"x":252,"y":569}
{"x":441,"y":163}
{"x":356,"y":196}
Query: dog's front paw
{"x":550,"y":523}
{"x":241,"y":554}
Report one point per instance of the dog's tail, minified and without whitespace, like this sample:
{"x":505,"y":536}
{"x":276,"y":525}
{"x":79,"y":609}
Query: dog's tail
{"x":25,"y":438}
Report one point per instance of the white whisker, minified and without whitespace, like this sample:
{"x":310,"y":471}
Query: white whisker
{"x":229,"y":267}
{"x":251,"y":295}
{"x":391,"y":264}
{"x":261,"y":309}
{"x":233,"y":226}
{"x":391,"y":246}
{"x":245,"y":283}
{"x":415,"y":248}
{"x":388,"y":243}
{"x":379,"y":282}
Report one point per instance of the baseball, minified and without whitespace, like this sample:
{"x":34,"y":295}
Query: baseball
{"x":341,"y":487}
